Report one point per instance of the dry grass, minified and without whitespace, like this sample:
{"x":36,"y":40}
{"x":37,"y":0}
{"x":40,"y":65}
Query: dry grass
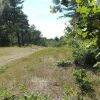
{"x":8,"y":54}
{"x":39,"y":73}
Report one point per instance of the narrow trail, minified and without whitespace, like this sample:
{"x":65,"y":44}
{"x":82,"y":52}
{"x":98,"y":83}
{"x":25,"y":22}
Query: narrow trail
{"x":14,"y":56}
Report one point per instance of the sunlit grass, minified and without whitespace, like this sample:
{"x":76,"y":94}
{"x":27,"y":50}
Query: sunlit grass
{"x":39,"y":73}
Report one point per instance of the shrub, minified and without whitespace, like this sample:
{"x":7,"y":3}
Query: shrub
{"x":64,"y":63}
{"x":84,"y":83}
{"x":84,"y":57}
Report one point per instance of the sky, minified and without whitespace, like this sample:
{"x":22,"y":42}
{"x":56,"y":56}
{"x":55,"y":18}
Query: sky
{"x":38,"y":12}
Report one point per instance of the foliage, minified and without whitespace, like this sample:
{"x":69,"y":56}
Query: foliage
{"x":14,"y":23}
{"x":84,"y":26}
{"x":89,"y":23}
{"x":64,"y":63}
{"x":62,"y":6}
{"x":85,"y":84}
{"x":84,"y":57}
{"x":35,"y":37}
{"x":15,"y":29}
{"x":56,"y":42}
{"x":6,"y":94}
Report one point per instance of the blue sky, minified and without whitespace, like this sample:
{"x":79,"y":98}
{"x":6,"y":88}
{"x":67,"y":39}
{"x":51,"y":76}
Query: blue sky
{"x":38,"y":12}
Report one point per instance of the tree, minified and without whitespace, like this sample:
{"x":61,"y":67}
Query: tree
{"x":56,"y":39}
{"x":68,"y":8}
{"x":16,"y":22}
{"x":85,"y":20}
{"x":23,"y":27}
{"x":35,"y":35}
{"x":90,"y":22}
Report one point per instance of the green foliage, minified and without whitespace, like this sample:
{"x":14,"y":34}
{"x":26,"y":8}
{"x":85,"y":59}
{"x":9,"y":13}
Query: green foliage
{"x":85,"y":83}
{"x":84,"y":26}
{"x":14,"y":24}
{"x":84,"y":57}
{"x":15,"y":29}
{"x":89,"y":22}
{"x":56,"y":42}
{"x":35,"y":37}
{"x":62,"y":6}
{"x":64,"y":63}
{"x":8,"y":95}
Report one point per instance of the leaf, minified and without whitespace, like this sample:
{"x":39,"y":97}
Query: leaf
{"x":92,"y":2}
{"x":78,"y":1}
{"x":83,"y":10}
{"x":79,"y":31}
{"x":84,"y":34}
{"x":96,"y":9}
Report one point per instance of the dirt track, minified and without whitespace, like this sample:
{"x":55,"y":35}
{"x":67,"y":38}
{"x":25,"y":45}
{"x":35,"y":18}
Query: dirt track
{"x":16,"y":54}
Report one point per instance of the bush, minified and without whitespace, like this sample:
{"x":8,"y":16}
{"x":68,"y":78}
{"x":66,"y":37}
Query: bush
{"x":64,"y":63}
{"x":84,"y":83}
{"x":84,"y":57}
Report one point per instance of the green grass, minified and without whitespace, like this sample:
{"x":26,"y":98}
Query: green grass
{"x":39,"y":73}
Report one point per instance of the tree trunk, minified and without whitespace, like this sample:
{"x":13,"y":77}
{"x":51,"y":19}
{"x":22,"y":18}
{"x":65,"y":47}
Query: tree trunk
{"x":18,"y":40}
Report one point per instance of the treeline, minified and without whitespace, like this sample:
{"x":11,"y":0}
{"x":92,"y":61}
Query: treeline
{"x":14,"y":27}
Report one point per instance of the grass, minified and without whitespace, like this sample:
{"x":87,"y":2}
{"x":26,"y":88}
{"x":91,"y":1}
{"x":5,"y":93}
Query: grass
{"x":8,"y":54}
{"x":39,"y":73}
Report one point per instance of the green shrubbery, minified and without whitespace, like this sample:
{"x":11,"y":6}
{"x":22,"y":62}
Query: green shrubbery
{"x":85,"y":84}
{"x":8,"y":95}
{"x":64,"y":63}
{"x":87,"y":57}
{"x":84,"y":57}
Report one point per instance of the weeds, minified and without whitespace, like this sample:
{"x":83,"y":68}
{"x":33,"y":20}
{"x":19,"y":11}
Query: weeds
{"x":64,"y":63}
{"x":84,"y":83}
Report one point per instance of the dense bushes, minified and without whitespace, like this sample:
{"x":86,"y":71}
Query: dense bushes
{"x":87,"y":58}
{"x":85,"y":84}
{"x":84,"y":57}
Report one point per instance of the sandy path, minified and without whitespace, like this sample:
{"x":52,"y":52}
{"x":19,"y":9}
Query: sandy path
{"x":16,"y":55}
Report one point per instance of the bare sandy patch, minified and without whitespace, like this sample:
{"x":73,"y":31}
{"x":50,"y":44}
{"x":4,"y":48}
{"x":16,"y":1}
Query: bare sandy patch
{"x":10,"y":54}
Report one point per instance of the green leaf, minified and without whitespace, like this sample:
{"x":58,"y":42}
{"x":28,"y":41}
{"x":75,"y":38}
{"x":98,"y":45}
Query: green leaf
{"x":79,"y":31}
{"x":78,"y":1}
{"x":96,"y":9}
{"x":92,"y":2}
{"x":83,"y":10}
